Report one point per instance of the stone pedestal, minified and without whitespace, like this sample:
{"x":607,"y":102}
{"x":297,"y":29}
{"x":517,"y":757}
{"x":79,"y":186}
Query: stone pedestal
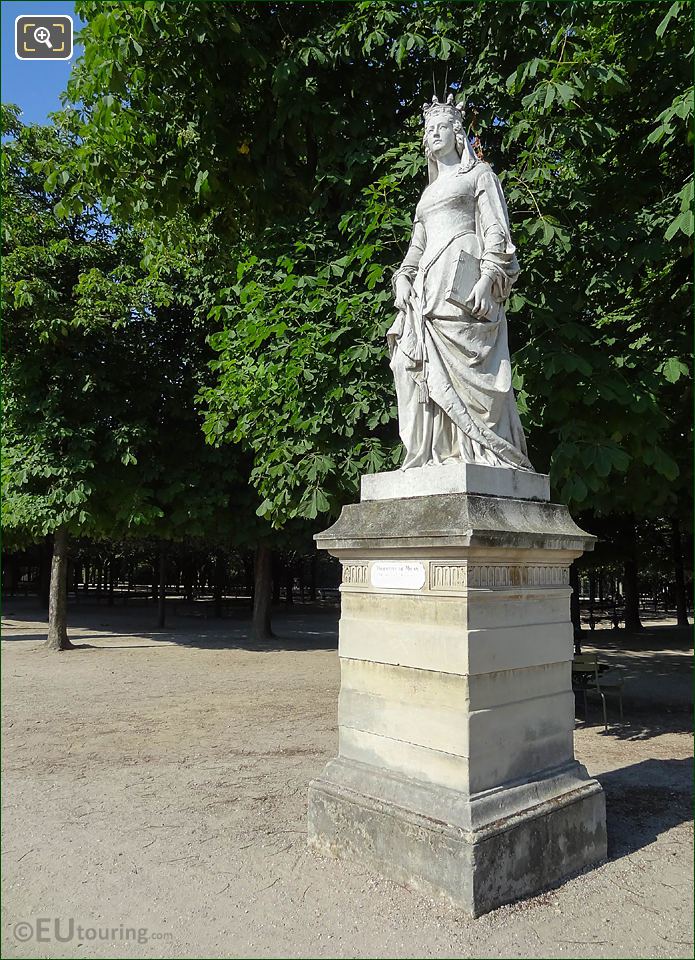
{"x":456,"y":773}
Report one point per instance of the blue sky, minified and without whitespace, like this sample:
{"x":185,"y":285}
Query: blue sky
{"x":34,"y":85}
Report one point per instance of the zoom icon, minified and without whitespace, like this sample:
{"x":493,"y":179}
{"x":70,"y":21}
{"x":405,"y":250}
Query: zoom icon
{"x":43,"y":38}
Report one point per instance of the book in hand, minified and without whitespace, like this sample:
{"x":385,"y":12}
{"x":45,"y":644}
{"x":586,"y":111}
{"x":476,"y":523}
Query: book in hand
{"x":464,"y":277}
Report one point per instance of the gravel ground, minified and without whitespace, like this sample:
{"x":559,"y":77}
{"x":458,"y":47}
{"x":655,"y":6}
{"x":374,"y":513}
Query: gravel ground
{"x":155,"y":793}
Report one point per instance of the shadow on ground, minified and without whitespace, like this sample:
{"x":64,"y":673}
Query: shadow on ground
{"x":652,"y":637}
{"x":642,"y":719}
{"x":645,"y":800}
{"x":656,"y":669}
{"x":300,"y":627}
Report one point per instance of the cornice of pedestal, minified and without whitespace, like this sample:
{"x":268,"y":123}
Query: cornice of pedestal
{"x":451,"y":524}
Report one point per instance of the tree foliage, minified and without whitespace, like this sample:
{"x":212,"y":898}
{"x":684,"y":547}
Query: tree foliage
{"x":291,"y":130}
{"x":56,"y":454}
{"x":102,"y":362}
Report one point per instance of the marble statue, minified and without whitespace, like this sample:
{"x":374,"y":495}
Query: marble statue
{"x":448,"y":344}
{"x":455,"y":774}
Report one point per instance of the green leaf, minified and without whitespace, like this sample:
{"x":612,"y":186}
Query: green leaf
{"x":673,"y":369}
{"x":549,"y":97}
{"x":201,"y":183}
{"x":683,"y":222}
{"x":673,"y":11}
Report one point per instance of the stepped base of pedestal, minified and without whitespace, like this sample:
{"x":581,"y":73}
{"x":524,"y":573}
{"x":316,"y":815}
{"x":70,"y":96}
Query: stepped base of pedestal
{"x":479,"y":852}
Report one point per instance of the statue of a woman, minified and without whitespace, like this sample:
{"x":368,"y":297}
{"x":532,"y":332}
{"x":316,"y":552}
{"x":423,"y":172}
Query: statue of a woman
{"x":449,"y":351}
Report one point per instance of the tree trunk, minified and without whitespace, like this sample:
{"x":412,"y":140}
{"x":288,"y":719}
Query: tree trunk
{"x":9,"y":575}
{"x":58,"y":601}
{"x":219,"y":582}
{"x":262,"y":593}
{"x":592,"y":598}
{"x":574,"y":608}
{"x":632,"y":617}
{"x":15,"y":574}
{"x":289,"y":584}
{"x":312,"y":579}
{"x":187,"y":576}
{"x":677,"y":551}
{"x":162,"y":591}
{"x":631,"y":585}
{"x":112,"y":574}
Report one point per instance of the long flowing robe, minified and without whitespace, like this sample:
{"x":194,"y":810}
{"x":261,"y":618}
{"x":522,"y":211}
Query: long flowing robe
{"x":452,"y":371}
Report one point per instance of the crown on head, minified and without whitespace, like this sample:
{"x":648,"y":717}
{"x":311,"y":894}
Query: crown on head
{"x":455,"y":111}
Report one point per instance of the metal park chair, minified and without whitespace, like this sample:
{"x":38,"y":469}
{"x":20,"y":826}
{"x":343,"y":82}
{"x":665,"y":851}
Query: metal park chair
{"x":588,"y":675}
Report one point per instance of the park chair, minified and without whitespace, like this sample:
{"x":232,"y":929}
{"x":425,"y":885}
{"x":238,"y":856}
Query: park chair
{"x":587,"y":676}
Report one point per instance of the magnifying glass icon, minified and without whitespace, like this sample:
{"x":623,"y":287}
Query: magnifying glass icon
{"x":43,"y":35}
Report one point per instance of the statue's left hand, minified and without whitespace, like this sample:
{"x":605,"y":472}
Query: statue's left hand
{"x":480,"y":302}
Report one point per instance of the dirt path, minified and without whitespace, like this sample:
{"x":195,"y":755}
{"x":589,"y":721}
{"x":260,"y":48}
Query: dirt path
{"x":157,"y":781}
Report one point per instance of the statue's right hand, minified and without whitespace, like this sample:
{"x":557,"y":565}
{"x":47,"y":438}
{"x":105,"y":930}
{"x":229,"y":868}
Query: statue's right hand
{"x":404,"y":291}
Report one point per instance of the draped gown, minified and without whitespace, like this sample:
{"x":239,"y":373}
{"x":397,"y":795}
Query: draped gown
{"x":452,"y":370}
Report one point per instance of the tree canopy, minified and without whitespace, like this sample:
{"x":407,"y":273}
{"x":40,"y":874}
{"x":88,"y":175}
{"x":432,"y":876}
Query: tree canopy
{"x":101,"y":365}
{"x":291,"y":131}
